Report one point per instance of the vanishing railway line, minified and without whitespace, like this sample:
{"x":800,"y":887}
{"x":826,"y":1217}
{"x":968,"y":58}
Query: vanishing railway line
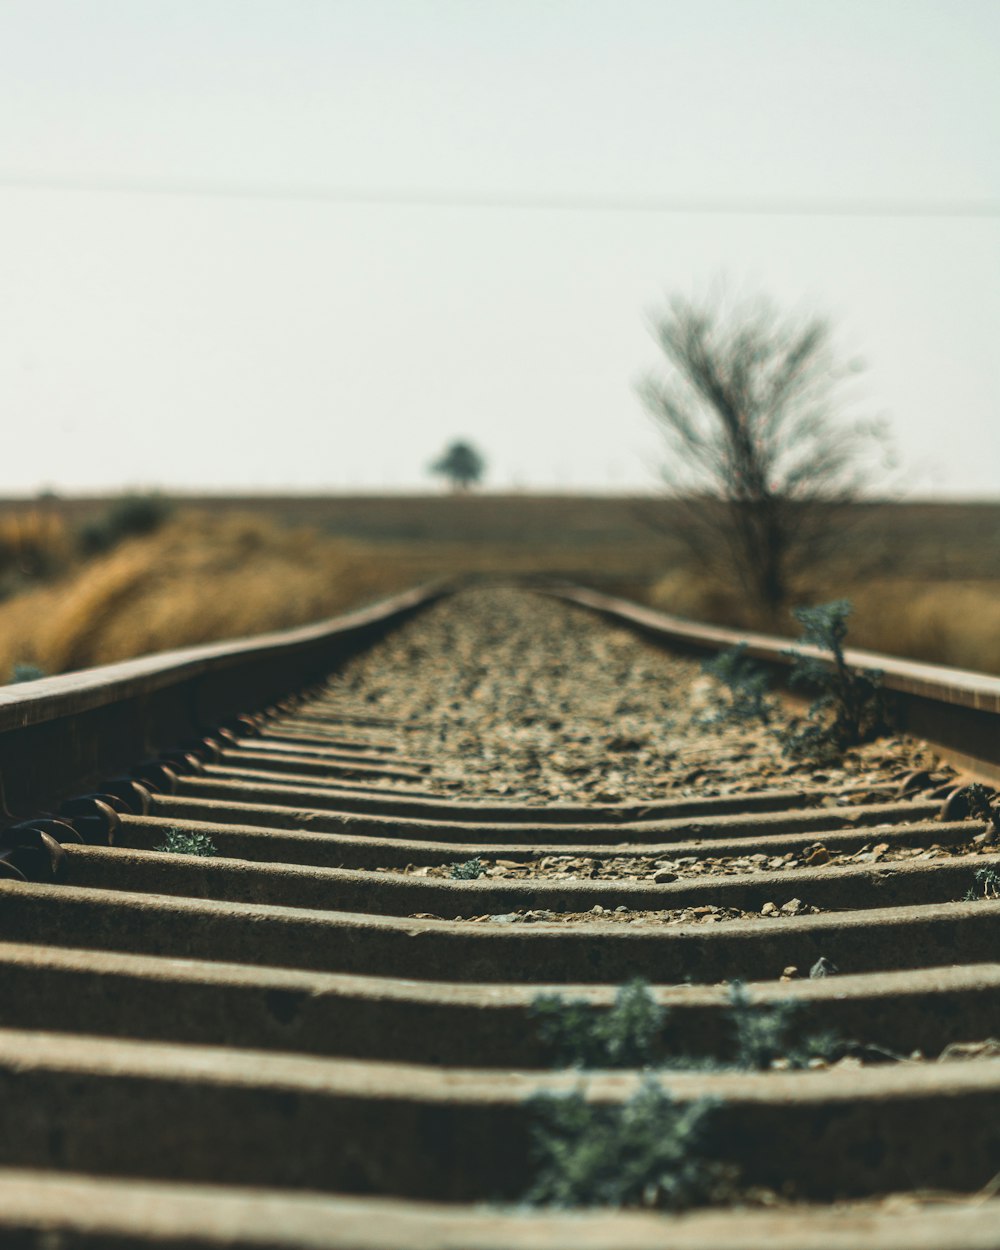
{"x":323,"y":1033}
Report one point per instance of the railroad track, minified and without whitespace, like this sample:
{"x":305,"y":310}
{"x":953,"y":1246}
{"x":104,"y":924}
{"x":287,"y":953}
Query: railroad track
{"x":325,"y":1031}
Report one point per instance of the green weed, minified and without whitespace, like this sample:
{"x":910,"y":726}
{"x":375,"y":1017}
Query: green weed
{"x":470,"y":870}
{"x":987,"y":885}
{"x":26,"y":672}
{"x":761,"y":1035}
{"x":179,"y":842}
{"x":650,"y":1151}
{"x":577,"y":1036}
{"x":850,"y":707}
{"x":741,"y":695}
{"x":646,"y":1152}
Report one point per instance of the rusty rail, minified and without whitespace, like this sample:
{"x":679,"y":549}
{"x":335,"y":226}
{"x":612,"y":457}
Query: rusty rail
{"x":956,"y":710}
{"x":62,"y":735}
{"x":295,"y":1041}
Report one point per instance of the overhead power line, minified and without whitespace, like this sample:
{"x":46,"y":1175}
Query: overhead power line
{"x":736,"y":206}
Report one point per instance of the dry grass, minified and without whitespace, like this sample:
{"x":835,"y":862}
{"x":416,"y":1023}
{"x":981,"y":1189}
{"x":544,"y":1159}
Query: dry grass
{"x":32,"y":541}
{"x":209,"y":576}
{"x":196,"y":580}
{"x":925,"y":579}
{"x":953,"y":622}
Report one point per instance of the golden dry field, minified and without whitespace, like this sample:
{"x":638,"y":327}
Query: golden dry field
{"x":924,"y":578}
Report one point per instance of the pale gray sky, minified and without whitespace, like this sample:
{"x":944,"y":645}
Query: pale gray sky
{"x":195,"y":291}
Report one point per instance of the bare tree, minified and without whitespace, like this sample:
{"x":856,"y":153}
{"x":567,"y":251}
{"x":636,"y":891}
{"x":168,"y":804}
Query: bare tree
{"x":461,"y":464}
{"x":761,"y":464}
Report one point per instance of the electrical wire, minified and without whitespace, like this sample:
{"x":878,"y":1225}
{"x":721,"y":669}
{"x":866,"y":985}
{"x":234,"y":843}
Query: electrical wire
{"x":522,"y":202}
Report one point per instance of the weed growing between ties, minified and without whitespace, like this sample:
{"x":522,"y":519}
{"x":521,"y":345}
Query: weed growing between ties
{"x":761,"y":1035}
{"x":987,"y":885}
{"x":470,"y":870}
{"x":742,"y":693}
{"x":630,"y":1035}
{"x":179,"y":842}
{"x":650,"y":1150}
{"x":850,"y":707}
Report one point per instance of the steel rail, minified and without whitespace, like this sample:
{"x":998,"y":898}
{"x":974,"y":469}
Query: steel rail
{"x":62,"y":735}
{"x":956,"y":710}
{"x":304,"y":1041}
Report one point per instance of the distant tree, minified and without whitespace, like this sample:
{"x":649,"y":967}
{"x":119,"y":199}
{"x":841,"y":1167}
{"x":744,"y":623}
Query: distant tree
{"x":761,"y":464}
{"x":461,"y":464}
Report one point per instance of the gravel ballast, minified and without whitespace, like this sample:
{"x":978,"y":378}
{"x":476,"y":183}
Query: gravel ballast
{"x":517,"y":695}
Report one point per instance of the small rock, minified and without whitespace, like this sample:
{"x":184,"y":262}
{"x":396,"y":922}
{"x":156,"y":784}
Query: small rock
{"x":663,"y":876}
{"x":822,"y":968}
{"x":769,"y":909}
{"x":597,"y":909}
{"x":848,"y":1061}
{"x":792,"y":907}
{"x":623,"y":743}
{"x":988,"y":1049}
{"x":790,"y":973}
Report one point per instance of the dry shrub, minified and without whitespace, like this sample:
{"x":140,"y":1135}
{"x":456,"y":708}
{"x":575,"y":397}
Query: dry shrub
{"x":199,"y":579}
{"x":33,"y":542}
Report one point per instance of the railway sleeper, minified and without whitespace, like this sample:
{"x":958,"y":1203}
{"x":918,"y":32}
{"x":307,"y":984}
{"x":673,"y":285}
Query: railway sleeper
{"x":223,"y":1116}
{"x":849,"y":887}
{"x":879,"y":939}
{"x":338,"y":850}
{"x":345,"y":812}
{"x":207,"y":1002}
{"x":80,"y":1212}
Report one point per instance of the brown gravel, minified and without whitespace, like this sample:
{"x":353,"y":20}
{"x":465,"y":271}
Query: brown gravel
{"x":660,"y":869}
{"x":706,"y":914}
{"x":515,"y":694}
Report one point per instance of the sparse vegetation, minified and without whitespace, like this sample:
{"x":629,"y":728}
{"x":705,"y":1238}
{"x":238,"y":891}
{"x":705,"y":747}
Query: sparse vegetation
{"x":470,"y":870}
{"x":850,"y":707}
{"x":649,"y":1151}
{"x":194,"y":580}
{"x":461,"y":464}
{"x":987,"y":885}
{"x":26,"y":672}
{"x":646,"y":1152}
{"x":627,"y":1036}
{"x":131,"y":516}
{"x":762,"y":458}
{"x":741,"y":694}
{"x":761,"y":1035}
{"x":634,"y":1034}
{"x":180,"y":842}
{"x":924,"y":578}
